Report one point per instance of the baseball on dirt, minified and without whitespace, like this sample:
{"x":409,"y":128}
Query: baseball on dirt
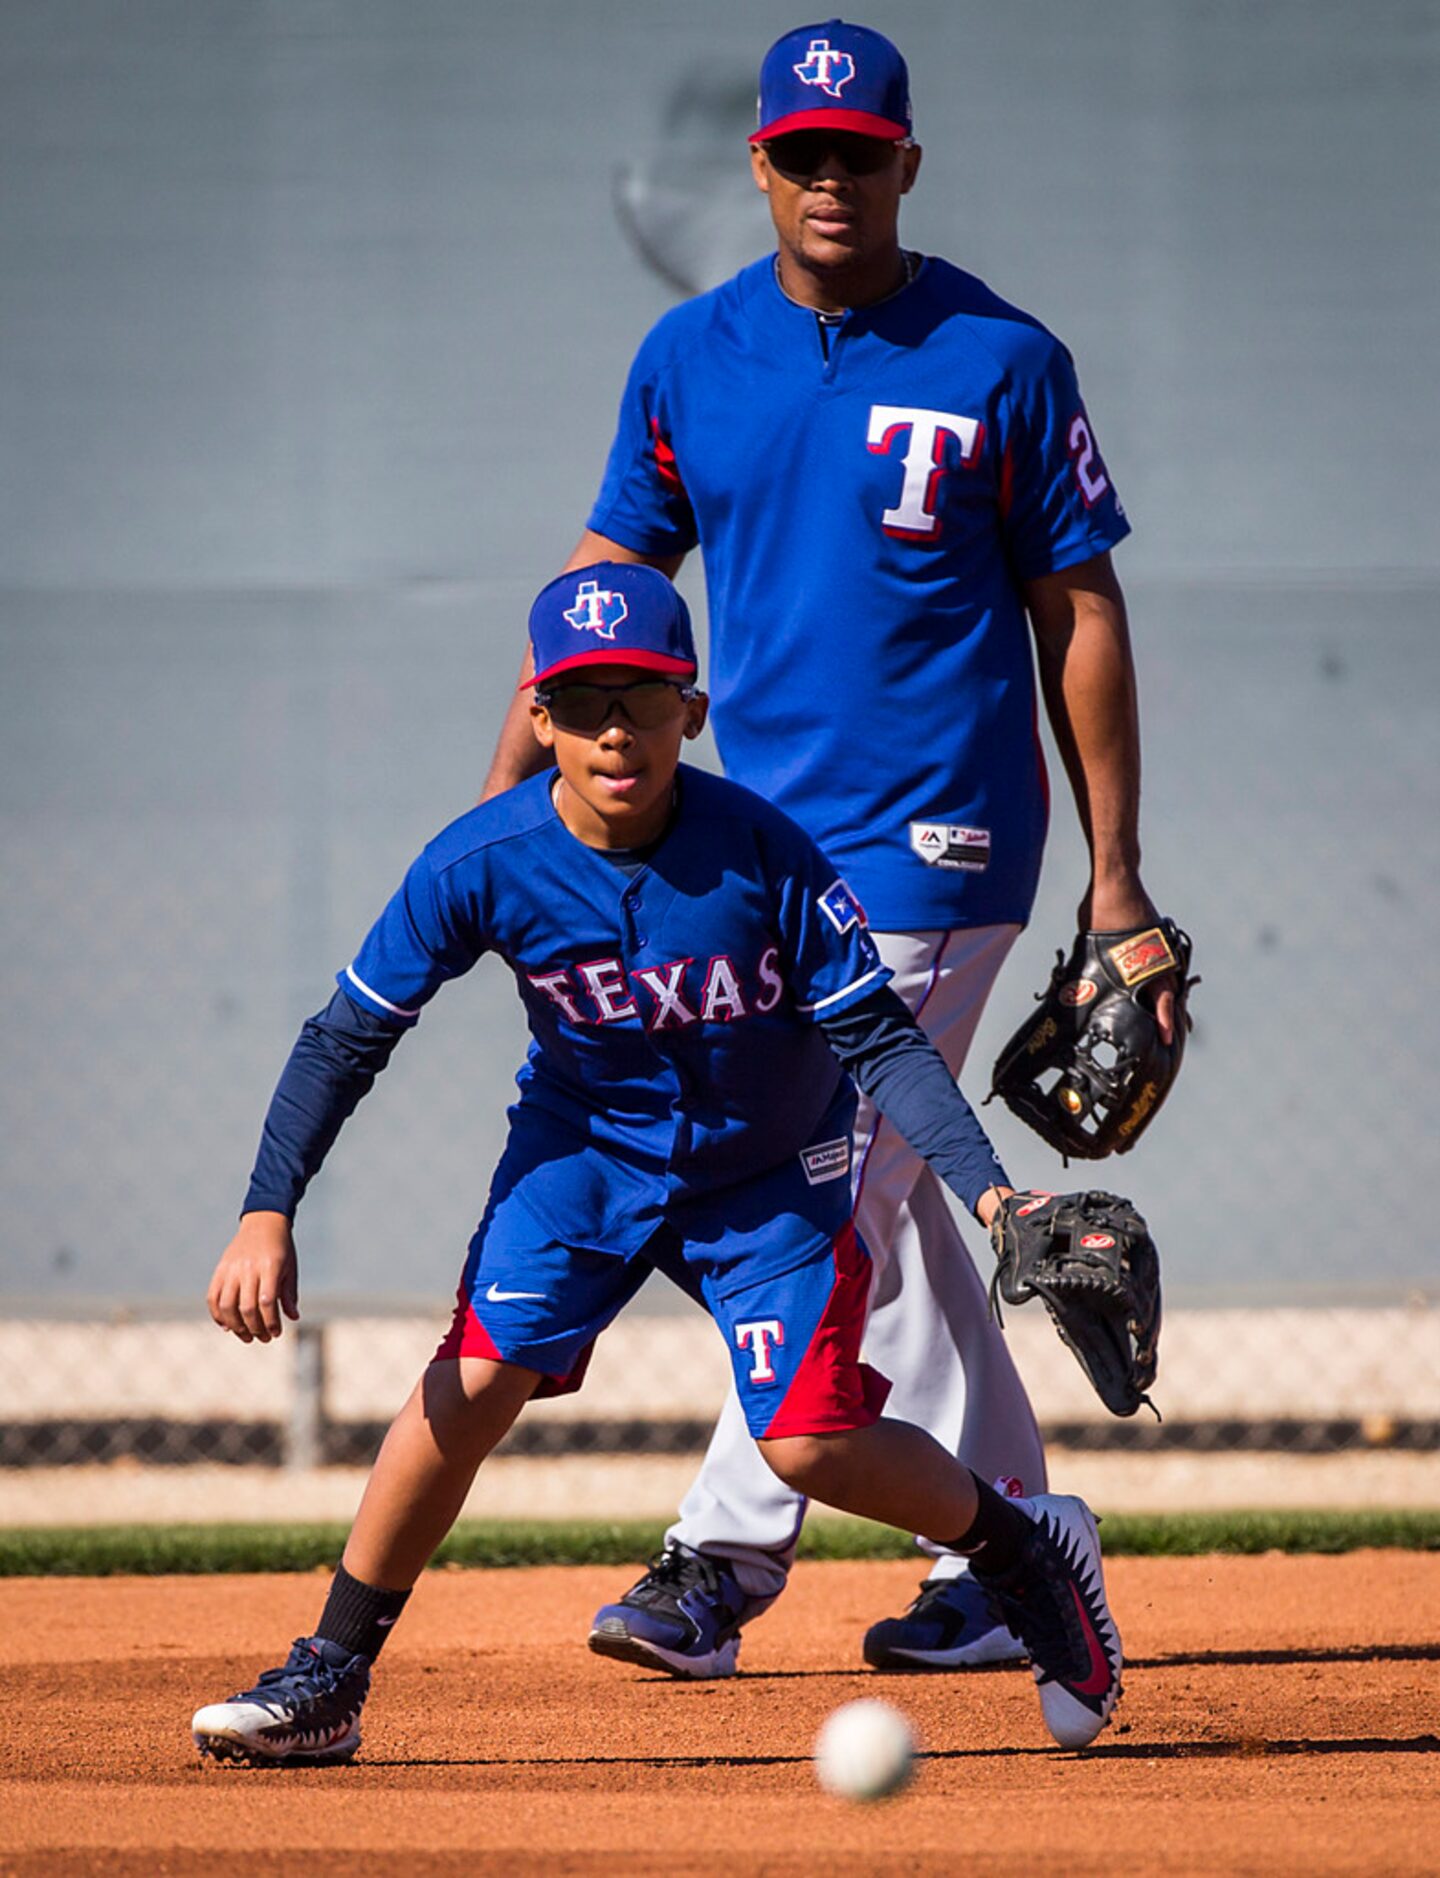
{"x":864,"y":1751}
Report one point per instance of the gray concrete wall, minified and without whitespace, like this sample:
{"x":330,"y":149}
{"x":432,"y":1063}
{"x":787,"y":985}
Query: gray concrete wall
{"x":313,"y":317}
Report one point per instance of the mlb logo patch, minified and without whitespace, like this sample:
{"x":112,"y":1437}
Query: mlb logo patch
{"x":597,"y":610}
{"x":944,"y":844}
{"x":841,"y":907}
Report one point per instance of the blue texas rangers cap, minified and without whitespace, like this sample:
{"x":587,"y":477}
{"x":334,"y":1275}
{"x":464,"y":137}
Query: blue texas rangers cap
{"x":834,"y":77}
{"x":614,"y":613}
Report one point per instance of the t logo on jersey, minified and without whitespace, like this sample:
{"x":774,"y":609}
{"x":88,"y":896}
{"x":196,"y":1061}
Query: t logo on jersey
{"x":825,"y":67}
{"x":757,"y":1339}
{"x":596,"y":610}
{"x":915,"y":516}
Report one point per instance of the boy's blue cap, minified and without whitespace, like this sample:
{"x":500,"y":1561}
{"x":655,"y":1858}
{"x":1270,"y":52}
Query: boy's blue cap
{"x":834,"y":77}
{"x":614,"y":613}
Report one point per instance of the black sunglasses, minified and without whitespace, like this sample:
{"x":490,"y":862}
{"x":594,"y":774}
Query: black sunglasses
{"x":802,"y":152}
{"x":646,"y":703}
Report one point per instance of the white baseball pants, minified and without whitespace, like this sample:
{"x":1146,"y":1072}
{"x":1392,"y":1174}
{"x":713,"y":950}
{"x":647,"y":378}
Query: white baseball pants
{"x":929,"y":1328}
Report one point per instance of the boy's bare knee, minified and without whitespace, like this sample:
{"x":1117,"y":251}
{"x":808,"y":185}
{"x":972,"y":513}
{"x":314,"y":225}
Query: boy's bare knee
{"x":463,"y":1397}
{"x":804,"y":1462}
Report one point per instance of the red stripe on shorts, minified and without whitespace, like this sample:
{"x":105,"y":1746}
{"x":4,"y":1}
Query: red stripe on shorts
{"x":833,"y":1390}
{"x":467,"y":1336}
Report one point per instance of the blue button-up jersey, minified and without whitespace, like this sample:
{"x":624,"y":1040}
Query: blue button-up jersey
{"x":674,"y":1052}
{"x":868,"y":507}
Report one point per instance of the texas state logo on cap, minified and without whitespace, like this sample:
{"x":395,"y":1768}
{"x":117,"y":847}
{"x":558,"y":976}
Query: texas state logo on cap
{"x":834,"y":77}
{"x":614,"y":613}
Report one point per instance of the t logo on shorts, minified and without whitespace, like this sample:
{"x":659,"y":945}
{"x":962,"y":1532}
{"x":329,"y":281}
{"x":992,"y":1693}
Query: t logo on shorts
{"x":757,"y":1338}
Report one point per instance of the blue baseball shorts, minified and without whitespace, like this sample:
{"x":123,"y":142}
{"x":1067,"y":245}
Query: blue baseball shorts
{"x":792,"y":1316}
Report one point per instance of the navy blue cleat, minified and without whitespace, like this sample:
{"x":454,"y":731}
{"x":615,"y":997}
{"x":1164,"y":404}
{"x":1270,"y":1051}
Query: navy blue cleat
{"x":305,"y":1713}
{"x":683,"y":1616}
{"x":1054,"y":1600}
{"x":953,"y":1624}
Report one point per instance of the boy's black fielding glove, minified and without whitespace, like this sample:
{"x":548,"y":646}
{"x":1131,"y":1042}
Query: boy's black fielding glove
{"x":1091,"y":1258}
{"x":1096,"y":1030}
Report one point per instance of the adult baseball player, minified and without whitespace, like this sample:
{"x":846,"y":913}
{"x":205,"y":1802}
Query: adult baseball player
{"x":888,"y":470}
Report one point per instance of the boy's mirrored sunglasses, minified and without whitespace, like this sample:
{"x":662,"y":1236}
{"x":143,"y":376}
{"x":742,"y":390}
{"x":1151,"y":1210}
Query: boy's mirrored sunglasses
{"x":802,"y":152}
{"x":647,"y":703}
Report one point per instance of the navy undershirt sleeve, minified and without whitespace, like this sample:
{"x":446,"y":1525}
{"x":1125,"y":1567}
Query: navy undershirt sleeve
{"x":904,"y":1075}
{"x":337,"y":1056}
{"x":342,"y":1049}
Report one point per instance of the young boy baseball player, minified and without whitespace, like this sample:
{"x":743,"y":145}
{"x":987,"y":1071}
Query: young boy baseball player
{"x":694,"y":976}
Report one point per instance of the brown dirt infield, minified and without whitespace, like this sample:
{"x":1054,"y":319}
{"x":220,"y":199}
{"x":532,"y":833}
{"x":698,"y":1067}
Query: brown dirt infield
{"x":1280,"y":1715}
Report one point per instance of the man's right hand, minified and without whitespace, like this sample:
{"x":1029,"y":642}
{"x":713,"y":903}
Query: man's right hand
{"x":257,"y":1278}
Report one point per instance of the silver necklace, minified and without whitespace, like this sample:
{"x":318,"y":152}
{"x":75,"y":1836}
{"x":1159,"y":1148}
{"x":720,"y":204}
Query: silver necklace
{"x":910,"y":262}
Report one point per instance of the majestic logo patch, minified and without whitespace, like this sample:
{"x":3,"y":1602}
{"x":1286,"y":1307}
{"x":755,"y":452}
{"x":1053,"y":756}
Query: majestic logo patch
{"x":942,"y":844}
{"x":827,"y":1160}
{"x":825,"y":67}
{"x":842,"y":908}
{"x":596,"y":610}
{"x":1078,"y":991}
{"x":1144,"y":956}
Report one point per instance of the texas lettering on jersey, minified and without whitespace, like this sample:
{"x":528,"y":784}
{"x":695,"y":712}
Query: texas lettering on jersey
{"x":662,"y":997}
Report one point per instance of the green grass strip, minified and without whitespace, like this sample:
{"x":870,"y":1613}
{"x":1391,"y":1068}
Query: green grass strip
{"x":101,"y":1551}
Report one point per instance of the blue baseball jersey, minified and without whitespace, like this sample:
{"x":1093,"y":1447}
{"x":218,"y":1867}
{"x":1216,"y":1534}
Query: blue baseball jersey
{"x":868,"y":506}
{"x":675,"y":1059}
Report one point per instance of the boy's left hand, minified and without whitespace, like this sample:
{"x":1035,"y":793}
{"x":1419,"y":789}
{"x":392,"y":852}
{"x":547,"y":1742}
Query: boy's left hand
{"x":257,"y":1278}
{"x":1091,"y":1259}
{"x":988,"y":1205}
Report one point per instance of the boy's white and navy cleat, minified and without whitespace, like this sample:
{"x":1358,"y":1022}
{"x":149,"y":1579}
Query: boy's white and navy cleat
{"x":1054,"y":1601}
{"x":306,"y":1711}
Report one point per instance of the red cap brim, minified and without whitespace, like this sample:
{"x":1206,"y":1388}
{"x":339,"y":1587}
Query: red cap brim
{"x":857,"y":123}
{"x":646,"y":661}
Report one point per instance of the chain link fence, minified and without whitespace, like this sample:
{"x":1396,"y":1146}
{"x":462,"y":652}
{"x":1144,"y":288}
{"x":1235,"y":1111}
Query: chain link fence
{"x":167,"y":1393}
{"x":165,"y":934}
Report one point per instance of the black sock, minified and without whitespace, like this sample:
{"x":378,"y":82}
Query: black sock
{"x":995,"y":1535}
{"x":359,"y":1617}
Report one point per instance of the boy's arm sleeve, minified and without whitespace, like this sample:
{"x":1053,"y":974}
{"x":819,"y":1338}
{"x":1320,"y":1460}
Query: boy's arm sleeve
{"x":904,"y":1075}
{"x":829,"y":959}
{"x":337,"y":1056}
{"x":433,"y":930}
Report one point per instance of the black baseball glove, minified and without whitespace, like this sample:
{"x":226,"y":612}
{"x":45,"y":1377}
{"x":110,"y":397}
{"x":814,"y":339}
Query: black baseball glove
{"x":1090,"y":1070}
{"x":1091,"y":1258}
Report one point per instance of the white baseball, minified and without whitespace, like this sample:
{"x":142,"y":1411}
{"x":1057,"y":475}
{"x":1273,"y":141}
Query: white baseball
{"x":864,"y":1751}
